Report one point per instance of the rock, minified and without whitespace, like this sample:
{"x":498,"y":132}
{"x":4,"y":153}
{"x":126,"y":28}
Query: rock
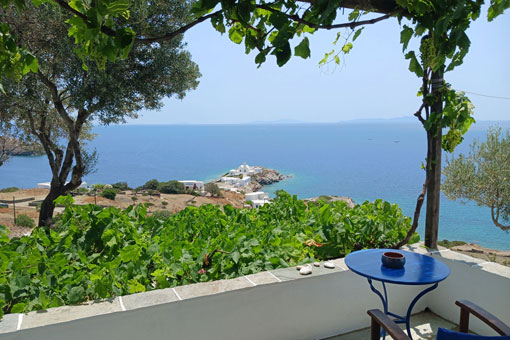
{"x":316,"y":264}
{"x":329,"y":265}
{"x":306,"y":270}
{"x":299,"y":267}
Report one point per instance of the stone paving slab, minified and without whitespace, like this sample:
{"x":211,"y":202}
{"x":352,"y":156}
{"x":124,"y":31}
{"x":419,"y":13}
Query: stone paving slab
{"x":151,"y":298}
{"x":340,"y":263}
{"x":210,"y":288}
{"x":495,"y":268}
{"x":9,"y":323}
{"x":418,"y":248}
{"x":451,"y":255}
{"x":262,"y":278}
{"x":288,"y":274}
{"x":69,"y":313}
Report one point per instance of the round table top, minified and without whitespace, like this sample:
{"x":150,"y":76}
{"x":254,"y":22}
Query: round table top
{"x":418,"y":270}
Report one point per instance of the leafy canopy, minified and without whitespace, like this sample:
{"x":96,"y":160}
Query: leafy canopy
{"x":483,"y":176}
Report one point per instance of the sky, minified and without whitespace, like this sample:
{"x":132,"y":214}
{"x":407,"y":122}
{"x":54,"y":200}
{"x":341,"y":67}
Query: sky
{"x":373,"y":80}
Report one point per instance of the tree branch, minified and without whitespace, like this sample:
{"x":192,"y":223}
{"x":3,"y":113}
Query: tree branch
{"x":351,"y":24}
{"x":105,"y":29}
{"x":495,"y":219}
{"x":416,"y":217}
{"x":171,"y":35}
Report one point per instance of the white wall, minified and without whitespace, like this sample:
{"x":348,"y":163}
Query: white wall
{"x":311,"y":307}
{"x":484,"y":283}
{"x":308,"y":308}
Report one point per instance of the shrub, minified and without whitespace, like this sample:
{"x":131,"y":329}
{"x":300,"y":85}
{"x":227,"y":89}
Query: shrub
{"x":121,"y":186}
{"x":24,"y":221}
{"x":109,"y":193}
{"x":9,"y":189}
{"x":162,"y":214}
{"x":171,"y":187}
{"x":450,"y":244}
{"x":134,"y":198}
{"x":143,"y":250}
{"x":152,"y":184}
{"x":98,"y":186}
{"x":82,"y":191}
{"x":213,"y":189}
{"x":165,"y":203}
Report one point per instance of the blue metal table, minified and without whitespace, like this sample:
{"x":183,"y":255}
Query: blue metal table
{"x":418,"y":270}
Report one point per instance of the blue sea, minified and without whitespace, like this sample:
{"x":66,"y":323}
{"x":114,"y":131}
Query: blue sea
{"x":362,"y":160}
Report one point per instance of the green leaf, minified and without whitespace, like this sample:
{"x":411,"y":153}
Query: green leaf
{"x":124,"y":38}
{"x":18,"y":308}
{"x":303,"y":49}
{"x":236,"y":256}
{"x":414,"y":65}
{"x":357,"y":33}
{"x":405,"y":36}
{"x":282,"y":54}
{"x":260,"y":58}
{"x":76,"y":294}
{"x":235,"y":35}
{"x":347,"y":47}
{"x":129,"y":253}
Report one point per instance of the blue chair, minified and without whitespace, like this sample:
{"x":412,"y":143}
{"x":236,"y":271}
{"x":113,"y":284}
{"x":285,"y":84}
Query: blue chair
{"x":379,"y":319}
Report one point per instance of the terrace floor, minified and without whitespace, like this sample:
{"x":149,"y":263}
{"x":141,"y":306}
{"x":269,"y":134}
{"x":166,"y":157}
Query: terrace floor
{"x":423,"y":326}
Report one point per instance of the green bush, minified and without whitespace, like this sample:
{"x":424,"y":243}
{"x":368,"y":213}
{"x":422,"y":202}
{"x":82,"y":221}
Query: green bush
{"x":24,"y":221}
{"x":171,"y":187}
{"x":121,"y":186}
{"x":213,"y":189}
{"x":9,"y":189}
{"x":109,"y":193}
{"x":116,"y":252}
{"x":162,"y":214}
{"x":98,"y":186}
{"x":450,"y":244}
{"x":165,"y":203}
{"x":134,"y":198}
{"x":152,"y":184}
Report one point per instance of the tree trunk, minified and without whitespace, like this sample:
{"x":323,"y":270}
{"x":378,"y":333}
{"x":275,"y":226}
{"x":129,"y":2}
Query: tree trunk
{"x":47,"y":206}
{"x":434,"y":138}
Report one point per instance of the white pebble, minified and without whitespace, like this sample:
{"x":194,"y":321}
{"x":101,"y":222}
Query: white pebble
{"x":306,"y":270}
{"x":329,"y":265}
{"x":316,"y":264}
{"x":299,"y":267}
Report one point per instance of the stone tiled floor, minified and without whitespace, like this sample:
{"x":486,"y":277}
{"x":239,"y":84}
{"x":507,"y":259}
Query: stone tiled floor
{"x":423,"y":326}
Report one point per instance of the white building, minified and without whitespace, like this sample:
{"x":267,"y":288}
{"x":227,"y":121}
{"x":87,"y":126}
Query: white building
{"x":257,"y":199}
{"x":47,"y":185}
{"x":236,"y":181}
{"x":245,"y":169}
{"x":193,"y":185}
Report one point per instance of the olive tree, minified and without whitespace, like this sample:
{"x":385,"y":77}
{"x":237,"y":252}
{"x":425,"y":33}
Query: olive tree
{"x":67,"y":94}
{"x":483,"y":176}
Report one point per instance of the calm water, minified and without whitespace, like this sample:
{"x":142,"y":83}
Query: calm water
{"x":362,"y":161}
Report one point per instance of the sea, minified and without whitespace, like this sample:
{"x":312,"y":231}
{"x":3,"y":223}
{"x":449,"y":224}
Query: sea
{"x":363,"y":160}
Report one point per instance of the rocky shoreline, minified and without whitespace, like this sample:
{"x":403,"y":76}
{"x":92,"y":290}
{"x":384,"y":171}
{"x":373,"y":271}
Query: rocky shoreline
{"x":15,"y":147}
{"x":266,"y":177}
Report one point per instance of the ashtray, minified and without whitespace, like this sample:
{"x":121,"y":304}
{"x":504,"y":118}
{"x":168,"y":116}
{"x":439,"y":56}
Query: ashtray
{"x":392,"y":259}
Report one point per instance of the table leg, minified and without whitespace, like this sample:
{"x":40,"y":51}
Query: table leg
{"x":398,"y":318}
{"x":384,"y":300}
{"x":410,"y":309}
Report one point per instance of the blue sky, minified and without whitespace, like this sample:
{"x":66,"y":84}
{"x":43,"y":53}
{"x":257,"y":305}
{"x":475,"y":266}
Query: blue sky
{"x":372,"y":82}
